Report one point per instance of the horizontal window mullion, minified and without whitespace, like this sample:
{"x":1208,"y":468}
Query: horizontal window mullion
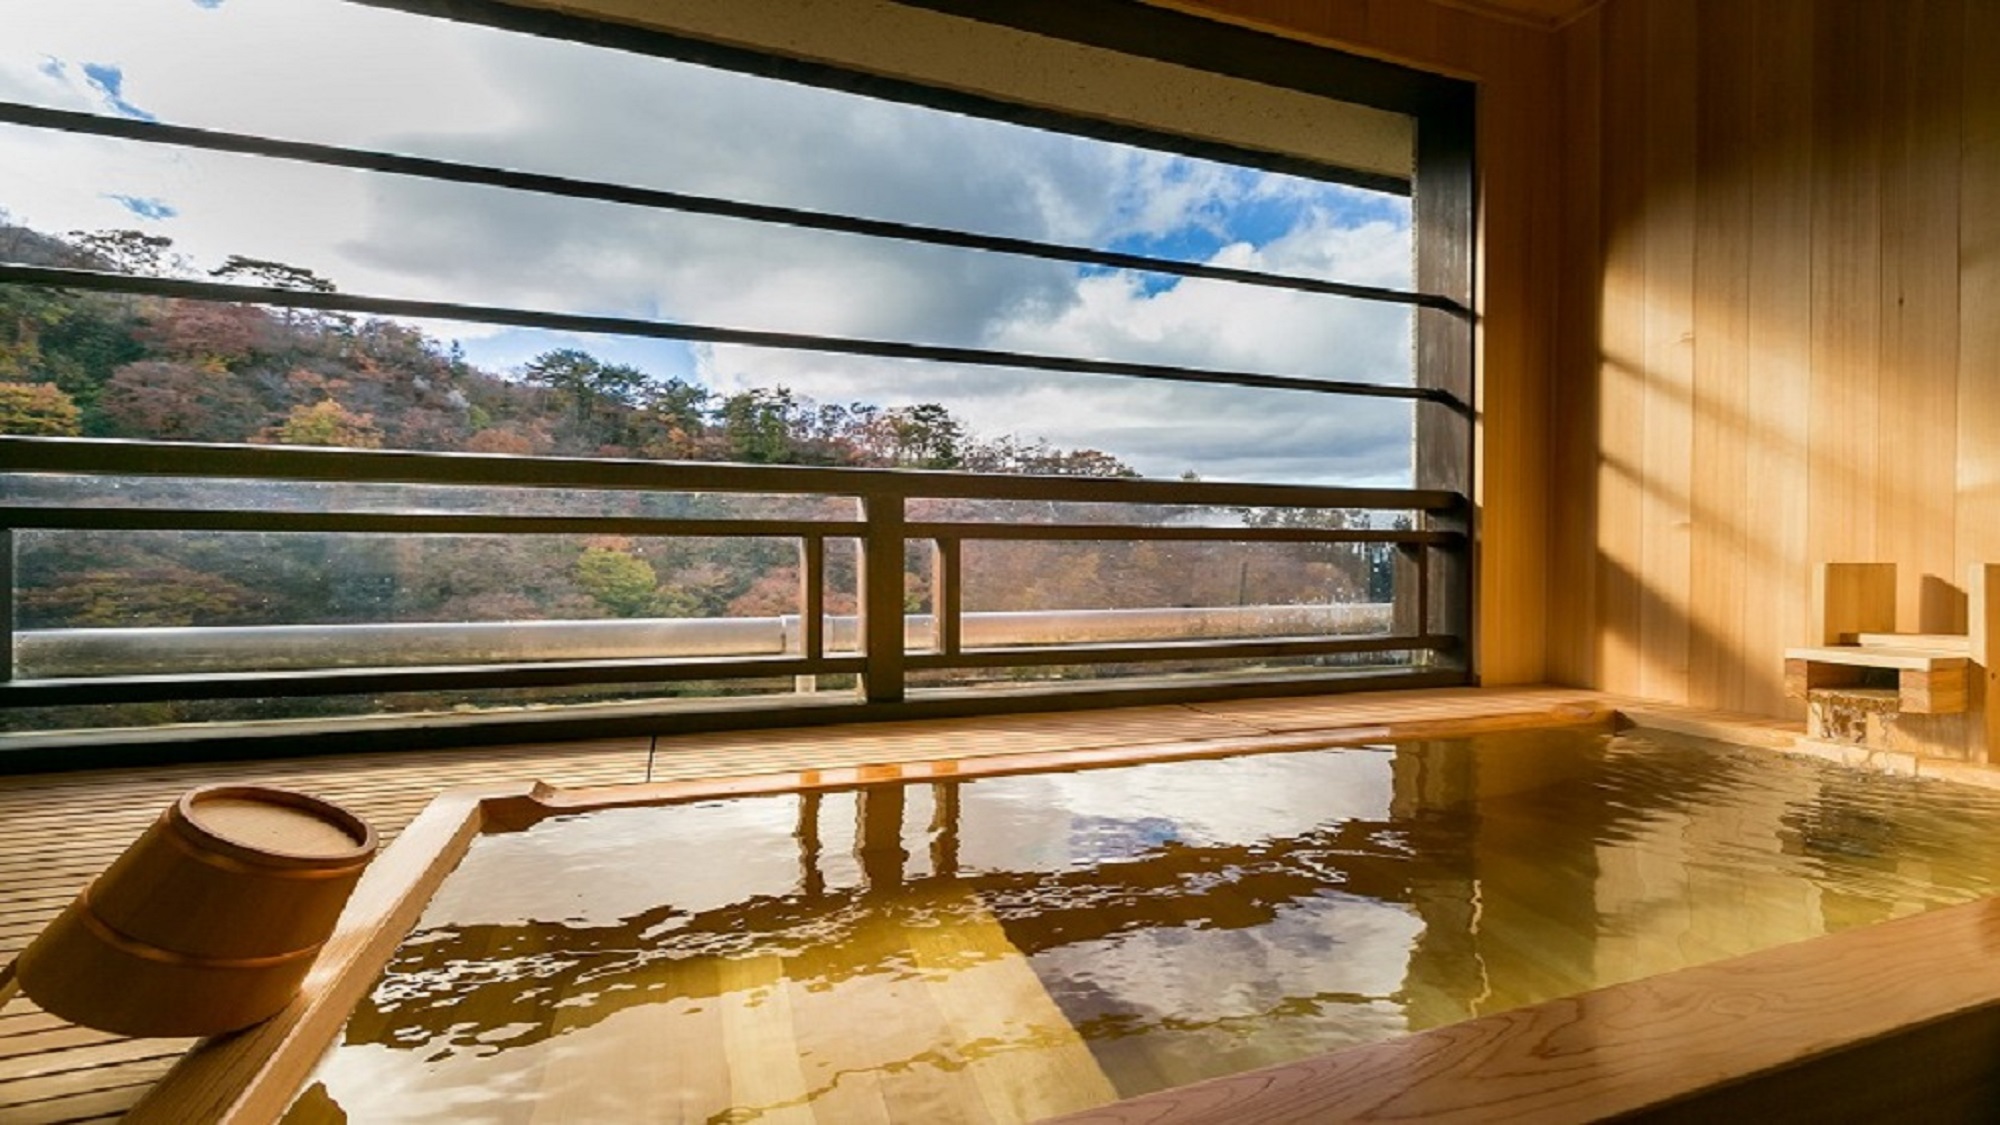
{"x":430,"y":168}
{"x":123,"y":457}
{"x":98,"y":281}
{"x":1109,"y":533}
{"x":401,"y":523}
{"x":369,"y":681}
{"x":1154,"y":651}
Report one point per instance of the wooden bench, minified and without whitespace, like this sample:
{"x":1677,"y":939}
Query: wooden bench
{"x":1869,"y":686}
{"x":1929,"y":680}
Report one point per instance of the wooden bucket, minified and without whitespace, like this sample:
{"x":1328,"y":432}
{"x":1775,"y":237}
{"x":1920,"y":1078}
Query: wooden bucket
{"x":209,"y":921}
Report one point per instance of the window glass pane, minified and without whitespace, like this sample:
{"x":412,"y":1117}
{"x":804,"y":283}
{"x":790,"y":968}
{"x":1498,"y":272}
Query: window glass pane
{"x":75,"y":362}
{"x":188,"y":371}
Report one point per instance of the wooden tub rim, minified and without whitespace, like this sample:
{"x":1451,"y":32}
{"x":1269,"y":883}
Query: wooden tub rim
{"x":1442,"y":1075}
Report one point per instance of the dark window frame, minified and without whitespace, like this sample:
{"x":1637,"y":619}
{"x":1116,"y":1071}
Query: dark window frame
{"x":1445,"y":207}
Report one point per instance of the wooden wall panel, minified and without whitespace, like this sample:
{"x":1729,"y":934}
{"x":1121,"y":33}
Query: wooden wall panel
{"x":1778,"y":320}
{"x":1667,"y":158}
{"x":1725,"y":140}
{"x":1575,"y":494}
{"x":1918,"y":365}
{"x":1978,"y":460}
{"x":1620,"y":362}
{"x":1520,"y":258}
{"x":1846,"y":285}
{"x":1789,"y":325}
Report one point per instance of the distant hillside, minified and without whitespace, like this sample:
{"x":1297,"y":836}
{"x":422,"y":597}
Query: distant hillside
{"x":137,"y":367}
{"x":198,"y":371}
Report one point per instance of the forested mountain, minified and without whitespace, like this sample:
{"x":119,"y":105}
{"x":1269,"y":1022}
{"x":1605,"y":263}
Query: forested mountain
{"x":103,"y":365}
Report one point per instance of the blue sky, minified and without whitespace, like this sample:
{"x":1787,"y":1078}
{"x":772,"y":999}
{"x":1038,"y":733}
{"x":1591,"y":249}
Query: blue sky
{"x":439,"y":89}
{"x":109,"y":82}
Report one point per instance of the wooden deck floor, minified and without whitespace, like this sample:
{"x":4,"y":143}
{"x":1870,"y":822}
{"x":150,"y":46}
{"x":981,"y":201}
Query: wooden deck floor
{"x":59,"y":830}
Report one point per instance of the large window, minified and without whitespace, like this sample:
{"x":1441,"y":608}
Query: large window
{"x":530,"y":236}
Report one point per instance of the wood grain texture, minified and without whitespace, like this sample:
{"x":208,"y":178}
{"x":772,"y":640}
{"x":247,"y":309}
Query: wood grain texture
{"x":1852,"y":598}
{"x":210,"y":1084}
{"x":1520,"y":252}
{"x":1846,"y":289}
{"x":1779,"y":317}
{"x":1714,"y":1032}
{"x":1574,"y":477}
{"x":252,"y":1076}
{"x":1620,"y":356}
{"x":1978,"y":414}
{"x":1923,"y":52}
{"x":1940,"y":692}
{"x":1719,"y":489}
{"x":1666,"y":375}
{"x":1846,"y":284}
{"x":1982,"y":589}
{"x":59,"y":830}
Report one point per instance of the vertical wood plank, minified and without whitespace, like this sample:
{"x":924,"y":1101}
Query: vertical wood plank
{"x":1725,"y":150}
{"x":1978,"y":421}
{"x":1852,"y":598}
{"x":1982,"y":592}
{"x":1776,"y":401}
{"x":1846,"y":284}
{"x":1517,"y":318}
{"x":1620,"y":368}
{"x":1574,"y":611}
{"x":1670,"y":192}
{"x":1915,"y":499}
{"x":760,"y":1042}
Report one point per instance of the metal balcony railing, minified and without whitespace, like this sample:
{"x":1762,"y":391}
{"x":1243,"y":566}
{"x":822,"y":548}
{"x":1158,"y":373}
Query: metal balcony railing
{"x":1427,"y":626}
{"x":880,"y":646}
{"x":282,"y":648}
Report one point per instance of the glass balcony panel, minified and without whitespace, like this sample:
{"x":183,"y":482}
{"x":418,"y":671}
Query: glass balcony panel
{"x":137,"y":603}
{"x":1093,"y":592}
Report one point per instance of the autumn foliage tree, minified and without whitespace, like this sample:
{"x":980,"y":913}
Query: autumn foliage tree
{"x":325,"y":422}
{"x":105,"y":365}
{"x":168,"y":400}
{"x":38,"y":409}
{"x":622,"y":583}
{"x":146,"y":594}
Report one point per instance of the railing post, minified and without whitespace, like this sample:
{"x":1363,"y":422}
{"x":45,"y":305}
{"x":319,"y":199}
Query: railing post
{"x":1411,"y":595}
{"x":6,"y":605}
{"x":882,"y":598}
{"x":946,"y":608}
{"x":812,"y":608}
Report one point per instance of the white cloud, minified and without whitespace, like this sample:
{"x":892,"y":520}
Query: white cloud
{"x":355,"y":75}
